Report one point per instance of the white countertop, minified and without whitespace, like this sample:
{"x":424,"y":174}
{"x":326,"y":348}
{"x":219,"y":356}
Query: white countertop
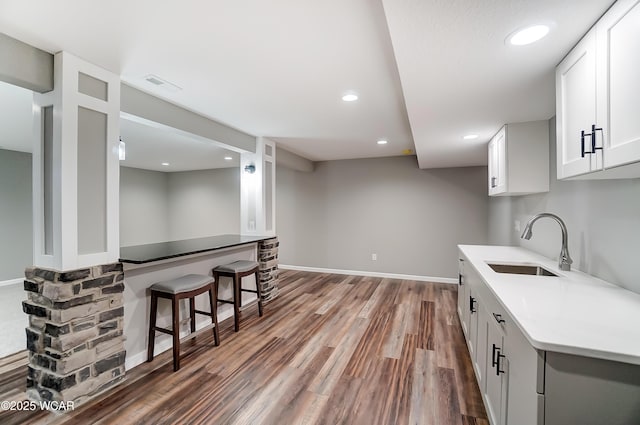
{"x":573,"y":313}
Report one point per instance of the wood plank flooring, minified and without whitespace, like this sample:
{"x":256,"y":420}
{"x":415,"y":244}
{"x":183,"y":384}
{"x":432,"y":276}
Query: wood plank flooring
{"x":332,"y":349}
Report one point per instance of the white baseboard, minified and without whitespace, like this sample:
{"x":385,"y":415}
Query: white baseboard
{"x":11,"y":281}
{"x":371,"y":274}
{"x":133,"y":360}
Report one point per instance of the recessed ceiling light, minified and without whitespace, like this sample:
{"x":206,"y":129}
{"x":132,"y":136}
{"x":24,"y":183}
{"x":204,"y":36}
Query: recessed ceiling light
{"x":350,"y":97}
{"x":165,"y":163}
{"x":228,"y":158}
{"x":382,"y":142}
{"x":528,"y":35}
{"x":470,"y":137}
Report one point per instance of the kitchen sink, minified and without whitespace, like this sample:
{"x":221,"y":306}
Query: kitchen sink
{"x":528,"y":269}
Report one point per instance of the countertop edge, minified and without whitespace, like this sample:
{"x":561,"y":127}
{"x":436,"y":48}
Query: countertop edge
{"x":197,"y":251}
{"x":544,"y":345}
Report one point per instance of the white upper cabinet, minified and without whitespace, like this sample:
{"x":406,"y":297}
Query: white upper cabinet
{"x":519,"y":159}
{"x":618,"y":37}
{"x":497,"y":165}
{"x":598,"y":99}
{"x":576,"y":107}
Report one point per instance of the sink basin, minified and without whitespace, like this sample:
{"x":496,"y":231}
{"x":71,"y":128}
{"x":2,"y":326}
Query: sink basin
{"x":527,"y":269}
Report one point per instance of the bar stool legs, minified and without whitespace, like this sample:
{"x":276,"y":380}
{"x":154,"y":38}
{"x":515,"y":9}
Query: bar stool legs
{"x":188,"y":286}
{"x":213,"y":305}
{"x":152,"y":327}
{"x":236,"y":271}
{"x":175,"y":313}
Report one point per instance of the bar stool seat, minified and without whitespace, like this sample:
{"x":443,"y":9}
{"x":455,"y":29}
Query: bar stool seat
{"x":239,"y":266}
{"x":186,"y":283}
{"x":236,"y":271}
{"x":188,"y":286}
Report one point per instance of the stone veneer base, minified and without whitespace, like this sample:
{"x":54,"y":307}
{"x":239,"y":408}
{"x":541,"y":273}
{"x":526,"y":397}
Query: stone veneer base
{"x":268,"y":274}
{"x":75,"y":335}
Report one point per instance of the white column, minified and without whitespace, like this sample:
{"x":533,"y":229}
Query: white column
{"x":258,"y":189}
{"x":76,"y":167}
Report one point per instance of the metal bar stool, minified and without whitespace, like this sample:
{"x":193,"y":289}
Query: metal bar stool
{"x":188,"y":286}
{"x":237,"y":270}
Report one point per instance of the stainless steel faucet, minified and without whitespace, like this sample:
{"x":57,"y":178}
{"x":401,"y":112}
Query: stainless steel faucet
{"x":564,"y":261}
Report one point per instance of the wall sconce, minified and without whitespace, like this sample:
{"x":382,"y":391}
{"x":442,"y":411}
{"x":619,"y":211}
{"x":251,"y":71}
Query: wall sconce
{"x":250,"y":168}
{"x":122,"y":154}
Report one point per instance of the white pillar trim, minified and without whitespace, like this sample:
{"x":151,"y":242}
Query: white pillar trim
{"x":253,"y":193}
{"x":66,"y":99}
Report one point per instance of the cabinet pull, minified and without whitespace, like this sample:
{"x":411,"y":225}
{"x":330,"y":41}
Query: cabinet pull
{"x":472,"y":301}
{"x":593,"y":138}
{"x":495,"y":359}
{"x":498,"y":318}
{"x":493,"y":356}
{"x":582,"y":151}
{"x":493,"y":182}
{"x":460,"y":279}
{"x":498,"y":370}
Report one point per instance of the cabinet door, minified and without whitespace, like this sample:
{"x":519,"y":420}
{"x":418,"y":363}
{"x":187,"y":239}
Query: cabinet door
{"x":575,"y":107}
{"x":473,"y":323}
{"x":480,"y":364}
{"x":497,"y":163}
{"x":526,"y":384}
{"x":618,"y":38}
{"x":496,"y":375}
{"x":462,"y":297}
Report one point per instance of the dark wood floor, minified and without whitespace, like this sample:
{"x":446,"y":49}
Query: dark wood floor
{"x":331,"y":349}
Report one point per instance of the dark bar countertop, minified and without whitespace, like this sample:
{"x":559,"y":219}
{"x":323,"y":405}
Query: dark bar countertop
{"x":140,"y":254}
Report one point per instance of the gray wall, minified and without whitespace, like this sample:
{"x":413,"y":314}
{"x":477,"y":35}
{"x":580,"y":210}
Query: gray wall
{"x":204,"y":203}
{"x":341,"y":213}
{"x":16,"y":226}
{"x":144,"y":206}
{"x":602,"y":216}
{"x":157,"y":206}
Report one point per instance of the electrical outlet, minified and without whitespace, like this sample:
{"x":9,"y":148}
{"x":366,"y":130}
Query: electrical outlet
{"x":374,"y":257}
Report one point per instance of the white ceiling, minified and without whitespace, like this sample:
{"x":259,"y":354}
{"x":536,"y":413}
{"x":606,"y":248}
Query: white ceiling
{"x":460,"y":77}
{"x":278,"y":68}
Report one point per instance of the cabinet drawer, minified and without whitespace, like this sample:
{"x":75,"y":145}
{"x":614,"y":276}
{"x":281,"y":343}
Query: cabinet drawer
{"x":493,"y":307}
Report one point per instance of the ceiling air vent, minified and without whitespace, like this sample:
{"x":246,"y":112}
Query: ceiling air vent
{"x":159,"y":82}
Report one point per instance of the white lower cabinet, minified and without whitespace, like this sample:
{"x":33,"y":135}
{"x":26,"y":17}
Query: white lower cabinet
{"x":480,"y":361}
{"x":472,"y":338}
{"x":485,"y":340}
{"x":505,"y":364}
{"x":521,"y":385}
{"x":496,"y":375}
{"x":463,"y":303}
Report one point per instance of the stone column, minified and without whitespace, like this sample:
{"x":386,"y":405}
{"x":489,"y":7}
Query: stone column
{"x":268,"y":258}
{"x":75,"y":334}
